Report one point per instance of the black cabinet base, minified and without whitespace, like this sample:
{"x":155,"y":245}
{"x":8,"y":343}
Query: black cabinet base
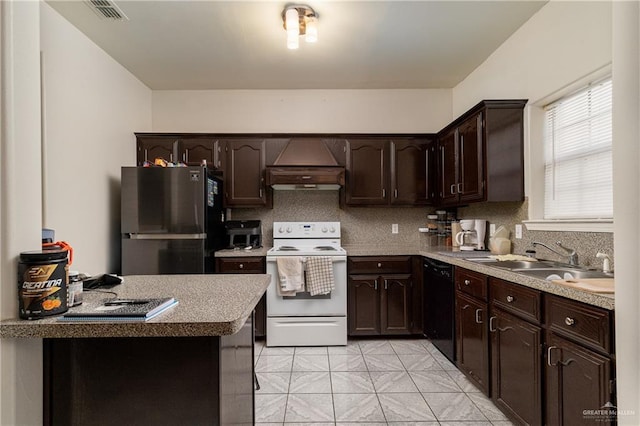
{"x":153,"y":380}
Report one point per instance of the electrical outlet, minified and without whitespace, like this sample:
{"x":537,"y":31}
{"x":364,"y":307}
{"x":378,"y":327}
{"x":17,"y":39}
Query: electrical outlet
{"x":492,"y":229}
{"x":519,"y":231}
{"x":394,"y":228}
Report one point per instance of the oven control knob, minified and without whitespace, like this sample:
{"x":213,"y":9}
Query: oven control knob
{"x":332,"y":230}
{"x":288,"y":229}
{"x":281,"y":230}
{"x":324,"y":229}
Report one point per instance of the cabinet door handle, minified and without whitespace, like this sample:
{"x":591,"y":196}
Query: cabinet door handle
{"x":241,"y":266}
{"x":375,"y":285}
{"x":386,"y":284}
{"x":453,"y":189}
{"x":467,"y":282}
{"x":569,"y":321}
{"x":491,"y":327}
{"x":146,"y":154}
{"x":379,"y":265}
{"x":478,"y":319}
{"x":395,"y":193}
{"x":509,"y":299}
{"x":460,"y":188}
{"x":549,"y":356}
{"x":260,"y":192}
{"x":186,"y":155}
{"x":384,"y":193}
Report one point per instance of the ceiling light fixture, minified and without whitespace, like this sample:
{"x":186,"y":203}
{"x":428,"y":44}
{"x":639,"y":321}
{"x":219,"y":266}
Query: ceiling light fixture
{"x":300,"y":19}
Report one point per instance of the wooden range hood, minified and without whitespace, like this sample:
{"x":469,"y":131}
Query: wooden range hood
{"x":305,"y":164}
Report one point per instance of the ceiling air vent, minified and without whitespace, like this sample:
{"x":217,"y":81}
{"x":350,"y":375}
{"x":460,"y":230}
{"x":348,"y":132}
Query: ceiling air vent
{"x":106,"y":9}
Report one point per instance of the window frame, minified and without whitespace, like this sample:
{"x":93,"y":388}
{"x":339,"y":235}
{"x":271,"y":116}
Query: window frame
{"x":534,"y":167}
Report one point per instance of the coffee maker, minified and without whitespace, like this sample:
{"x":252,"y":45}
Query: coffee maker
{"x":245,"y":234}
{"x":473,"y":234}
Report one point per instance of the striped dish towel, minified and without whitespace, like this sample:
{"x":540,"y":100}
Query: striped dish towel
{"x":319,"y":275}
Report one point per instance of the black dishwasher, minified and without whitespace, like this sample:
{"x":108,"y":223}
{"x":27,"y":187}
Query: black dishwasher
{"x":439,"y":312}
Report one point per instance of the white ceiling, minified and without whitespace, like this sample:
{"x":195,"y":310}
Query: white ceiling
{"x":239,"y":44}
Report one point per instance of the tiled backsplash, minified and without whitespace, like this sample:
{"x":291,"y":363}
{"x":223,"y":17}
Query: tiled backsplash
{"x":587,"y":244}
{"x":369,"y":225}
{"x":365,"y":225}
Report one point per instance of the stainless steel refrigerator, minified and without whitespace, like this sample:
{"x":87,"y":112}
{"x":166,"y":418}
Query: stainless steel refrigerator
{"x":172,"y":220}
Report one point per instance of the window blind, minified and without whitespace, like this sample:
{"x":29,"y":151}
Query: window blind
{"x":578,"y":157}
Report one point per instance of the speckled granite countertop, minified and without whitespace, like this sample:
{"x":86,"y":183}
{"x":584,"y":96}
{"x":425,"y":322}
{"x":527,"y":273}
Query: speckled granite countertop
{"x":386,"y":250}
{"x":602,"y":300}
{"x":262,"y":251}
{"x":446,"y":254}
{"x":440,"y":253}
{"x":208,"y":305}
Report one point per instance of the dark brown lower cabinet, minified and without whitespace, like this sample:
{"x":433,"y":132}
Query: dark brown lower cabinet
{"x":363,"y":305}
{"x":205,"y":380}
{"x":556,"y":369}
{"x":379,"y":305}
{"x":577,"y":379}
{"x":516,"y":363}
{"x":472,"y":340}
{"x":395,"y":304}
{"x":381,"y":296}
{"x":248,"y":265}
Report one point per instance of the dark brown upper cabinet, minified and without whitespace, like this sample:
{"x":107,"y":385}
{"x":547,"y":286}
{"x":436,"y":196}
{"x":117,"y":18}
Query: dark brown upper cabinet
{"x":150,"y":147}
{"x":244,"y":173}
{"x":382,"y":171}
{"x":481,"y":155}
{"x":192,"y":150}
{"x":413,"y":163}
{"x":197,"y":151}
{"x":367,"y":182}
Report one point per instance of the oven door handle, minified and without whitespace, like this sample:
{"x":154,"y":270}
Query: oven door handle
{"x":335,"y":259}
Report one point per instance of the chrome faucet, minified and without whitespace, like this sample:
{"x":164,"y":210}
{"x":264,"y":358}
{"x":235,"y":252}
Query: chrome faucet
{"x":573,"y":256}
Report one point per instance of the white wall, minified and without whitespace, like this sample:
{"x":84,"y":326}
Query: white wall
{"x":626,"y":204}
{"x":20,"y":359}
{"x":544,"y":56}
{"x":92,"y":106}
{"x":564,"y":41}
{"x":560,"y":45}
{"x":303,"y":111}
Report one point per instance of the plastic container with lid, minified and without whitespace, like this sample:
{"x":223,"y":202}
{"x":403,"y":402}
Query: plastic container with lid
{"x":432,"y":222}
{"x":75,"y":289}
{"x":42,"y":283}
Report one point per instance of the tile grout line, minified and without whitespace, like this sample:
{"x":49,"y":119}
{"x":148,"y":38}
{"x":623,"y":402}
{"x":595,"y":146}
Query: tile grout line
{"x":368,"y":371}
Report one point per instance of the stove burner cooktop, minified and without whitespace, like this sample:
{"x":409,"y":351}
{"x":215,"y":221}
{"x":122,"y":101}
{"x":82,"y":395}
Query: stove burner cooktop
{"x":324,"y":248}
{"x":288,"y":248}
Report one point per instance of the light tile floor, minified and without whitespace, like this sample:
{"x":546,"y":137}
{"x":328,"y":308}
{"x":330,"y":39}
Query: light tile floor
{"x":372,"y":382}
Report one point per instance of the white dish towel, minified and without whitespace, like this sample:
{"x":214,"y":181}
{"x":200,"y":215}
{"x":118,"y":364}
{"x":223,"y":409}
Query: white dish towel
{"x":290,"y":275}
{"x":320,"y":275}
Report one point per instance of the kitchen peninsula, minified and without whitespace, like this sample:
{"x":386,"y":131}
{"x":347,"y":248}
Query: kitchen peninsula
{"x":190,"y":365}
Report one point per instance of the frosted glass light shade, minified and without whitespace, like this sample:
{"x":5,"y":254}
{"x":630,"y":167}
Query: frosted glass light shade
{"x":293,"y":40}
{"x":292,"y":21}
{"x":312,"y":30}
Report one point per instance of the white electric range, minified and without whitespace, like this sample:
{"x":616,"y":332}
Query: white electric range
{"x":305,"y":320}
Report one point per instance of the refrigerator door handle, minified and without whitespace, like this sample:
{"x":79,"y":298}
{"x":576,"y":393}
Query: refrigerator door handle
{"x":167,"y":236}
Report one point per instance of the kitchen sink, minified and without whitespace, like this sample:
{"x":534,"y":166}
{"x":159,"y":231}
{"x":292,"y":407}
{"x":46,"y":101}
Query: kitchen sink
{"x":575,"y":273}
{"x":542,"y":268}
{"x":516,"y":264}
